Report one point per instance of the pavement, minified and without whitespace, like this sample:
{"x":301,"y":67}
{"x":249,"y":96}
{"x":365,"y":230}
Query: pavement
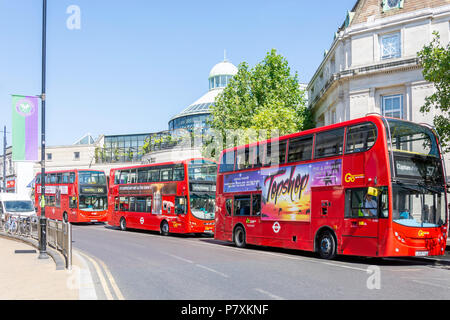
{"x":23,"y":276}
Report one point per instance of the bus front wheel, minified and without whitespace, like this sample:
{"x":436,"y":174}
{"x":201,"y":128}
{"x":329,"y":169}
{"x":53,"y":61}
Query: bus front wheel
{"x":65,"y":217}
{"x":239,"y":237}
{"x":123,"y":224}
{"x":327,"y":245}
{"x":164,"y":228}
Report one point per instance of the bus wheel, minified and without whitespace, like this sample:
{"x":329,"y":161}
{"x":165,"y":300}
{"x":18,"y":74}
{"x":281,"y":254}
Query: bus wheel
{"x":164,"y":228}
{"x":65,"y":217}
{"x":239,"y":237}
{"x":123,"y":224}
{"x":327,"y":246}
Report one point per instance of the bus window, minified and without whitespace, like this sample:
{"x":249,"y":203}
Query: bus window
{"x":300,"y":149}
{"x":259,"y":152}
{"x":227,"y":162}
{"x":242,"y":205}
{"x":140,"y":204}
{"x":361,"y":203}
{"x":124,"y":177}
{"x":72,"y":177}
{"x":229,"y":206}
{"x":133,"y":176}
{"x":275,"y":153}
{"x":65,"y":178}
{"x":149,"y":204}
{"x":142,"y":175}
{"x":180,"y":205}
{"x":360,"y":137}
{"x":153,"y":175}
{"x":243,"y":158}
{"x":256,"y":205}
{"x":166,"y":174}
{"x":329,"y":143}
{"x":178,"y":173}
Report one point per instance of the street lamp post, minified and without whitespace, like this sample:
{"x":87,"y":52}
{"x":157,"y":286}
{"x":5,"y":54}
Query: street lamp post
{"x":43,"y":221}
{"x":4,"y":160}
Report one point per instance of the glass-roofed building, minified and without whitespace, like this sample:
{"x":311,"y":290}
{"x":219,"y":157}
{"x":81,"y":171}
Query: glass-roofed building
{"x":194,"y":116}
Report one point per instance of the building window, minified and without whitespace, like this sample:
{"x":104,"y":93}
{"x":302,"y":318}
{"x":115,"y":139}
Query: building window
{"x":392,"y":106}
{"x":391,"y":46}
{"x":392,"y":4}
{"x":49,"y":157}
{"x":76,"y":156}
{"x":333,"y":117}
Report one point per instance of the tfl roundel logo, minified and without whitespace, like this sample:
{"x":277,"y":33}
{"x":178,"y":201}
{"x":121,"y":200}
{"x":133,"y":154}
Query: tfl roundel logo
{"x":276,"y":227}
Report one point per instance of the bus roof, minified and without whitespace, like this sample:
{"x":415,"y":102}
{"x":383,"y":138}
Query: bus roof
{"x":162,"y":164}
{"x":374,"y":117}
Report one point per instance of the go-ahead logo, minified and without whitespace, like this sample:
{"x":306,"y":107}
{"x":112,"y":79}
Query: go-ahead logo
{"x":422,"y":233}
{"x":352,"y":177}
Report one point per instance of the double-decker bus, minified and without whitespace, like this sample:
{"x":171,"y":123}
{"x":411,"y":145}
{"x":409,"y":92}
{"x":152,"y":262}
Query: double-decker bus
{"x":372,"y":187}
{"x":74,"y":195}
{"x":170,"y":197}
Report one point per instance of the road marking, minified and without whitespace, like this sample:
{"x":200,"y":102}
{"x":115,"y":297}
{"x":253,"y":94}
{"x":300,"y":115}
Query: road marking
{"x":112,"y":281}
{"x":180,"y":258}
{"x":249,"y":251}
{"x":212,"y":270}
{"x":269,"y":294}
{"x":100,"y":275}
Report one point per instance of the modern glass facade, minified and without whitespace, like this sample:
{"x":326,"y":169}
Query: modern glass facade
{"x":123,"y":148}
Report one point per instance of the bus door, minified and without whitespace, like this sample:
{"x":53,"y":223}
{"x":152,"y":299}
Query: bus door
{"x":228,"y":215}
{"x":361,"y":222}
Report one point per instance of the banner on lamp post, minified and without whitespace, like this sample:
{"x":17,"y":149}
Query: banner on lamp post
{"x":24,"y":128}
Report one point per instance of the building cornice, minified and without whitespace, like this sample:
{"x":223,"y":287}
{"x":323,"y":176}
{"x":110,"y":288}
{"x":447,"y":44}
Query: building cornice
{"x":376,"y":25}
{"x":384,"y":67}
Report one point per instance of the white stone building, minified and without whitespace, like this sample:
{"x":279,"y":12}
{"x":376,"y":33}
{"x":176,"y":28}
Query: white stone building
{"x":372,"y":65}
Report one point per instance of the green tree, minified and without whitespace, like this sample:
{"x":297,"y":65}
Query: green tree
{"x":265,"y":97}
{"x":435,"y":60}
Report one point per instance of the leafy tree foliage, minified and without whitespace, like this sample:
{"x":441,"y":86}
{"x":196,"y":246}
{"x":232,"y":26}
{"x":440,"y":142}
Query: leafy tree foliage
{"x":435,"y":60}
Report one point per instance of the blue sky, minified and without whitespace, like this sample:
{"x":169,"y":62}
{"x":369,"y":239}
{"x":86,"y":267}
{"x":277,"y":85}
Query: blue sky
{"x":134,"y":64}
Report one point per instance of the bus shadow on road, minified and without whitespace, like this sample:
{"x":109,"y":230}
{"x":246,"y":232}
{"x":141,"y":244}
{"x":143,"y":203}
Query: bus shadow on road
{"x":366,"y":261}
{"x":353,"y":260}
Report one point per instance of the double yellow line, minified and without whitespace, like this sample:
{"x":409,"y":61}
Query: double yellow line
{"x":104,"y":280}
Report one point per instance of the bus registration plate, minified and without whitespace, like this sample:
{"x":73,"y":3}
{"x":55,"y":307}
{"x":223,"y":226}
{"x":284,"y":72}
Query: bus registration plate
{"x":421,"y":253}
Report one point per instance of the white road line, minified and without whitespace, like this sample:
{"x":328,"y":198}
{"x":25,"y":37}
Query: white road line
{"x":101,"y":277}
{"x":180,"y":258}
{"x":269,"y":294}
{"x":249,"y":251}
{"x":212,"y":270}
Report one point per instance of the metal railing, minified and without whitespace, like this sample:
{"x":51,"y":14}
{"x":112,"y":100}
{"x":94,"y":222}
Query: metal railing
{"x":59,"y":233}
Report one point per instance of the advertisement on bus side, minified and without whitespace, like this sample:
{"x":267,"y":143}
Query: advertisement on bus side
{"x":286,"y":191}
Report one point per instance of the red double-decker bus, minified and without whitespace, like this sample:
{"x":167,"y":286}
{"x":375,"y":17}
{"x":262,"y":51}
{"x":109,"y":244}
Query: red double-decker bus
{"x":74,"y":195}
{"x":171,"y":197}
{"x":372,"y":187}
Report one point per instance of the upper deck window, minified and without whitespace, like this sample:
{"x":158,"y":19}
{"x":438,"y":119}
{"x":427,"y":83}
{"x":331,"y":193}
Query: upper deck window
{"x":227,"y":161}
{"x":360,"y":137}
{"x":412,"y":138}
{"x":300,"y":149}
{"x":329,"y":143}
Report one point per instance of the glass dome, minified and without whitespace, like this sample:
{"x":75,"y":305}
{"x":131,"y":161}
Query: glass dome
{"x":196,"y":115}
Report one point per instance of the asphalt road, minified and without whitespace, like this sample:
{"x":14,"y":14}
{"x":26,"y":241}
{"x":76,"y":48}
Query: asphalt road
{"x":138,"y":265}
